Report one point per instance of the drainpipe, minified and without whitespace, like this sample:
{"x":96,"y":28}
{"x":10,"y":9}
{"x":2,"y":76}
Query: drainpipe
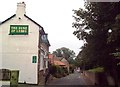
{"x":38,"y":80}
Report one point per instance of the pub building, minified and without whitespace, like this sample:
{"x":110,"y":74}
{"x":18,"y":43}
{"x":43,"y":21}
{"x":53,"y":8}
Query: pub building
{"x":25,"y":46}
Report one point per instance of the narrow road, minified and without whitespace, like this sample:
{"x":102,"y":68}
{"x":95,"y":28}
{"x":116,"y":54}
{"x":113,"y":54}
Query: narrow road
{"x":72,"y":79}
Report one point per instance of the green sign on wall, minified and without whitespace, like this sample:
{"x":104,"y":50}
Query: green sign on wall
{"x":34,"y":59}
{"x":18,"y":29}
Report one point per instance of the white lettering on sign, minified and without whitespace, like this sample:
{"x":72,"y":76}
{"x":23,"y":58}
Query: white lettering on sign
{"x":18,"y":29}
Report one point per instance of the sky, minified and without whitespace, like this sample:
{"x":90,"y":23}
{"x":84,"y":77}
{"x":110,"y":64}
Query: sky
{"x":55,"y":16}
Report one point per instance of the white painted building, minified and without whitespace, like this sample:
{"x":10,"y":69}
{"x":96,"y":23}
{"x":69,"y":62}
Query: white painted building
{"x":21,"y":43}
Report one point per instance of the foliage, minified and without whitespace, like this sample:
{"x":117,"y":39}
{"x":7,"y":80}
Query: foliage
{"x":72,"y":61}
{"x":114,"y":37}
{"x":72,"y":67}
{"x":54,"y":69}
{"x":92,"y":25}
{"x":117,"y":54}
{"x":59,"y":71}
{"x":66,"y":53}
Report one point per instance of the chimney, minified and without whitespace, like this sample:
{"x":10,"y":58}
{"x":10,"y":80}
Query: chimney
{"x":21,"y":9}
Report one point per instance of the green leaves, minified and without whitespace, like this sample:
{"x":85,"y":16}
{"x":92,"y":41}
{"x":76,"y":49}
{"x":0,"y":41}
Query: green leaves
{"x":64,"y":52}
{"x":92,"y":25}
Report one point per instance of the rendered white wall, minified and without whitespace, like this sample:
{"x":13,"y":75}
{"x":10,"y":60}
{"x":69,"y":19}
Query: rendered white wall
{"x":21,"y":9}
{"x":27,"y":69}
{"x":0,"y":49}
{"x":17,"y":50}
{"x":4,"y":83}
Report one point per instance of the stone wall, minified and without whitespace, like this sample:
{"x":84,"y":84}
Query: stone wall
{"x":41,"y":78}
{"x":4,"y":77}
{"x":99,"y":78}
{"x":91,"y":76}
{"x":4,"y":74}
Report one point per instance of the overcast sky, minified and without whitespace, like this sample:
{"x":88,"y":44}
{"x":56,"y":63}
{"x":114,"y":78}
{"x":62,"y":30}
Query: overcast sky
{"x":55,"y":16}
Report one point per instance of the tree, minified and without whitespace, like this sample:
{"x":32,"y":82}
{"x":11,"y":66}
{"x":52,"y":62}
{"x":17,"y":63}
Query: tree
{"x":97,"y":18}
{"x":66,"y":53}
{"x":114,"y":42}
{"x":114,"y":36}
{"x":92,"y":25}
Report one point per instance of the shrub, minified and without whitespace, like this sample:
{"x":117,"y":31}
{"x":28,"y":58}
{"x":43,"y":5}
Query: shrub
{"x":54,"y":69}
{"x":59,"y":71}
{"x":72,"y":69}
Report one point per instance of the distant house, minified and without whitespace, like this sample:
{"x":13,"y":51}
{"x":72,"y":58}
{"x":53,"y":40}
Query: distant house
{"x":60,"y":61}
{"x":55,"y":60}
{"x":25,"y":46}
{"x":66,"y":63}
{"x":51,"y":58}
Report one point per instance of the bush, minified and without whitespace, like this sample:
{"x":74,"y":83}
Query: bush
{"x":57,"y":75}
{"x":54,"y":69}
{"x":72,"y":68}
{"x":59,"y":71}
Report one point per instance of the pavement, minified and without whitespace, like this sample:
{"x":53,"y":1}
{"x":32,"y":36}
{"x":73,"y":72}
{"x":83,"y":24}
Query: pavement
{"x":72,"y":79}
{"x":75,"y":79}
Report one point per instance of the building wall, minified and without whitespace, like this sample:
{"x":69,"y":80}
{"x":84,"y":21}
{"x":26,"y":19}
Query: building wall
{"x":0,"y":49}
{"x":66,"y":63}
{"x":45,"y":48}
{"x":17,"y":50}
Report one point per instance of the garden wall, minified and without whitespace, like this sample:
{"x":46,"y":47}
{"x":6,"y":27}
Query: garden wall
{"x":4,"y":77}
{"x":99,"y":78}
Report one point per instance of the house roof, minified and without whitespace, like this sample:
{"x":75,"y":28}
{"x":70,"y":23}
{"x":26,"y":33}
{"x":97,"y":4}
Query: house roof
{"x":26,"y":17}
{"x":8,"y":19}
{"x":59,"y":63}
{"x":60,"y":58}
{"x":41,"y":31}
{"x":64,"y":59}
{"x":57,"y":60}
{"x":50,"y":56}
{"x":35,"y":23}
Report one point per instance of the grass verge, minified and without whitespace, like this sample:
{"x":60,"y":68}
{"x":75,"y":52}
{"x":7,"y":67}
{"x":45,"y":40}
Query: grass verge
{"x":98,"y":69}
